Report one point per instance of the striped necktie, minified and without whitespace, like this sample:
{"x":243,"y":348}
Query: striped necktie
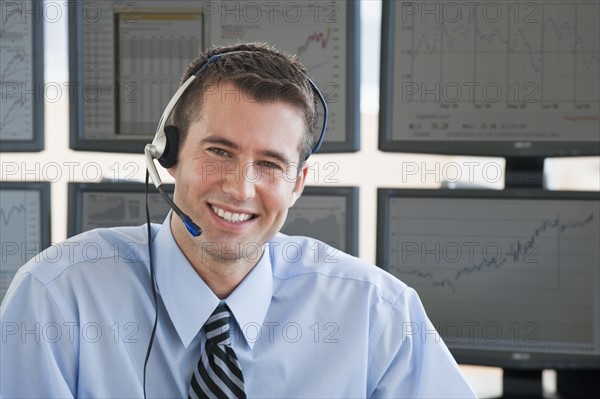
{"x":218,"y":373}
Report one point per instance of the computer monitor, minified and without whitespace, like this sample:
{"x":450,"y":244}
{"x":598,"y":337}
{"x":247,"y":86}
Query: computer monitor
{"x":25,"y":224}
{"x":324,"y":34}
{"x":126,"y":59}
{"x":22,"y":86}
{"x":329,"y":214}
{"x":506,"y":79}
{"x":113,"y":204}
{"x":509,"y":278}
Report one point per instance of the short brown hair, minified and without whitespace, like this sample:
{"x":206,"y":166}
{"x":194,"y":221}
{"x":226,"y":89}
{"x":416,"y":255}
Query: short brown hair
{"x":260,"y":72}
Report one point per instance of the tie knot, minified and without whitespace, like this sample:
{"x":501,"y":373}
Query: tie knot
{"x":217,"y":326}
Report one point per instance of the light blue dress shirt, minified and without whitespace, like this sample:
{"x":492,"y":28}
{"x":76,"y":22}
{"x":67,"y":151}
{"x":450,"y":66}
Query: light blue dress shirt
{"x":309,"y":322}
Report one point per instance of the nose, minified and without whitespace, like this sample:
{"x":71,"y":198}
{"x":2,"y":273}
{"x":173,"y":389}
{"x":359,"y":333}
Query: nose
{"x":240,"y":185}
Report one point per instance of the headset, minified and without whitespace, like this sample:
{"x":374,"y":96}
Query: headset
{"x":164,"y":148}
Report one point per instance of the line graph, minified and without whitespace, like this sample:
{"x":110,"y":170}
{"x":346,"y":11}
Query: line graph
{"x":474,"y":246}
{"x":519,"y":72}
{"x":503,"y":261}
{"x":321,"y":217}
{"x":522,"y":249}
{"x":12,"y":67}
{"x":319,"y":38}
{"x":527,"y":49}
{"x":315,"y":31}
{"x":16,"y":72}
{"x":10,"y":20}
{"x":6,"y":216}
{"x":20,"y":215}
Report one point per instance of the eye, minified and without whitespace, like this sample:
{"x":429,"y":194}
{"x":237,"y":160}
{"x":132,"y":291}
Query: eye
{"x":270,"y":165}
{"x":219,"y":151}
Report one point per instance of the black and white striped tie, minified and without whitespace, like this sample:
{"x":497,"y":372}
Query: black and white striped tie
{"x":218,"y":374}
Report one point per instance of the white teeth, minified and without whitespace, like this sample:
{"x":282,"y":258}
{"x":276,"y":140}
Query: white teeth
{"x":231,"y":217}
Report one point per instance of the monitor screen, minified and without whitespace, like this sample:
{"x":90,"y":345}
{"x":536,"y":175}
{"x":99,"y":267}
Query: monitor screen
{"x":25,"y":224}
{"x":512,"y":79}
{"x":126,"y":59}
{"x":329,"y":214}
{"x":96,"y":205}
{"x":22,"y":87}
{"x":509,"y":278}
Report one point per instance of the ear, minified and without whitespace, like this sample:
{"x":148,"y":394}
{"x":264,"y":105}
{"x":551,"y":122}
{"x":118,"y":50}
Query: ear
{"x":172,"y":170}
{"x":299,"y":184}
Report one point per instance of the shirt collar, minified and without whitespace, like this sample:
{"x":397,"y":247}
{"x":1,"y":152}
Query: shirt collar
{"x":250,"y":301}
{"x":190,"y":302}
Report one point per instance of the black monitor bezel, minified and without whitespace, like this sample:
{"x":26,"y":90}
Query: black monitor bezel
{"x":505,"y":148}
{"x":76,"y":190}
{"x":36,"y":144}
{"x":491,"y":357}
{"x":352,"y":99}
{"x":77,"y":140}
{"x":350,"y":195}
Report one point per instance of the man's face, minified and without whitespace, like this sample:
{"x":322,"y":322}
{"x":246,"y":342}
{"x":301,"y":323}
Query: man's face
{"x":237,"y":172}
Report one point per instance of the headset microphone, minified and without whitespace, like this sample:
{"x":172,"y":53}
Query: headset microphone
{"x":165,"y":145}
{"x":150,"y":154}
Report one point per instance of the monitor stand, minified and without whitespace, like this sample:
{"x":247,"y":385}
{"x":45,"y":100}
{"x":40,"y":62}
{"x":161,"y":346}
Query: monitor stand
{"x":524,"y":173}
{"x":578,"y":384}
{"x":522,"y":384}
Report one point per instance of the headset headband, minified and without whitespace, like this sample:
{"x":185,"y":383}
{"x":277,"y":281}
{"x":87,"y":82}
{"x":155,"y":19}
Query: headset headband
{"x":160,"y":140}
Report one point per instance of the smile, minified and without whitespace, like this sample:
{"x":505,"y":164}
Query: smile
{"x":231,"y":217}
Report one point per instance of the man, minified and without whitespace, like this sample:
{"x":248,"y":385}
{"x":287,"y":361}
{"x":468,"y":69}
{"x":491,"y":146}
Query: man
{"x":242,"y":310}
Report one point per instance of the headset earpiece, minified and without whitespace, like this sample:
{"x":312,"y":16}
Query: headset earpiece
{"x":169,"y":155}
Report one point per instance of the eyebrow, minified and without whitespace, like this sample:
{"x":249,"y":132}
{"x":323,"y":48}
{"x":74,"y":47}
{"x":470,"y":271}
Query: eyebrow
{"x":228,"y":143}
